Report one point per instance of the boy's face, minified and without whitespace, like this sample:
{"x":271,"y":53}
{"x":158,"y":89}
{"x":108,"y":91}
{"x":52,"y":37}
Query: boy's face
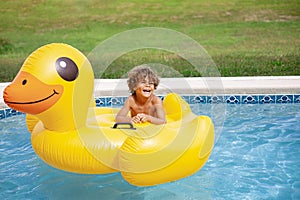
{"x":145,"y":87}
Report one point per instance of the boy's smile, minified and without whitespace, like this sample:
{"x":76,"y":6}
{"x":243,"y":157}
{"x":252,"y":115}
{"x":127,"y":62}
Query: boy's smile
{"x":145,"y":88}
{"x":147,"y":92}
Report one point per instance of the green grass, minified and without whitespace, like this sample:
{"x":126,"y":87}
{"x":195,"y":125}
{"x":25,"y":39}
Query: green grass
{"x":244,"y":38}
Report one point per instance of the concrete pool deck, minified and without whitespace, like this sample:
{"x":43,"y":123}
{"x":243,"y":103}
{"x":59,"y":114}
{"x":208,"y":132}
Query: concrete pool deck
{"x":201,"y":85}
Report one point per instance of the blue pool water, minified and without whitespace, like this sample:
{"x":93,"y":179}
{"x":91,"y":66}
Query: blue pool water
{"x":255,"y":157}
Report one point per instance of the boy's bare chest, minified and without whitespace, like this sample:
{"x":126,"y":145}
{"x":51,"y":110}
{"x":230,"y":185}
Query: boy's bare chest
{"x":146,"y":109}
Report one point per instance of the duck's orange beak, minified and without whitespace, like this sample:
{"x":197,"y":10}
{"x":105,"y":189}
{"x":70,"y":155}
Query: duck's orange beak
{"x":30,"y":95}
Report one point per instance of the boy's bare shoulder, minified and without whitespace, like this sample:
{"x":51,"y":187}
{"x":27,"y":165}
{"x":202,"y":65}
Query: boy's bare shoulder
{"x":156,"y":100}
{"x":131,"y":99}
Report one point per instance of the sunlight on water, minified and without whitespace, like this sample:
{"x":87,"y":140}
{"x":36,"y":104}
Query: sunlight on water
{"x":256,"y":157}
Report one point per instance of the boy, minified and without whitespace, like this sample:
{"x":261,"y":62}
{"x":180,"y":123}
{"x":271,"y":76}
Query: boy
{"x":142,"y":104}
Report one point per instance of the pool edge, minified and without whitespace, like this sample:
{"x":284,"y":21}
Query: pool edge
{"x":206,"y":86}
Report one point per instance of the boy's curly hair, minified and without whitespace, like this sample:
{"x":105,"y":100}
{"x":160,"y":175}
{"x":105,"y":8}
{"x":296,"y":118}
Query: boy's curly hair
{"x":140,"y":73}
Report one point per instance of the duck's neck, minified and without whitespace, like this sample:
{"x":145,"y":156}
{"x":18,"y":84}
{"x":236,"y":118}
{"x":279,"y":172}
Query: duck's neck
{"x":70,"y":113}
{"x":62,"y":122}
{"x":71,"y":117}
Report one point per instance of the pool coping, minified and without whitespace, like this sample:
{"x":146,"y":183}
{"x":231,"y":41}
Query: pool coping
{"x":208,"y":85}
{"x":205,"y":86}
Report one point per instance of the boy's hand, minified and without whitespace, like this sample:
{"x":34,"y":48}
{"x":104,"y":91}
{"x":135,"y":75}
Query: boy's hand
{"x":141,"y":118}
{"x":144,"y":118}
{"x":135,"y":119}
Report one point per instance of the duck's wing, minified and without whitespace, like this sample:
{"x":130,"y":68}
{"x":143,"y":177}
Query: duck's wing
{"x":31,"y":122}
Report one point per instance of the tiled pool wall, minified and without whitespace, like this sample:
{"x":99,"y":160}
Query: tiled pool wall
{"x":193,"y":99}
{"x":203,"y":99}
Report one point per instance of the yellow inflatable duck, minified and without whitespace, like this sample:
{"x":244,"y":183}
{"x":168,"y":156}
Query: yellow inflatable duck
{"x":55,"y":88}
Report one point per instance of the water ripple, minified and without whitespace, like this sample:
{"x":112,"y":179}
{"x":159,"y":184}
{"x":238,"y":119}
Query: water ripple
{"x":256,"y":157}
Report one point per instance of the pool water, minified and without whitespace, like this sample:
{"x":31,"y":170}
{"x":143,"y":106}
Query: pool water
{"x":255,"y":157}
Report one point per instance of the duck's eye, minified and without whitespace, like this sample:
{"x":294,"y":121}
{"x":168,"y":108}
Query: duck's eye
{"x":66,"y":68}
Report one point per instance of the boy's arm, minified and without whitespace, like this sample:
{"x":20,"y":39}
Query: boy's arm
{"x":161,"y":116}
{"x":122,"y":115}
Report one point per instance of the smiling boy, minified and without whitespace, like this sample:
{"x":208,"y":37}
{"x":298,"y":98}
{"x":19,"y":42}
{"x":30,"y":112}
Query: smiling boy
{"x":143,"y":104}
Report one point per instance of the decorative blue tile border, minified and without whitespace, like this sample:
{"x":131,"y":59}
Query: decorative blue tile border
{"x":2,"y":114}
{"x":233,"y":99}
{"x":250,"y":99}
{"x":296,"y":98}
{"x":8,"y":112}
{"x":194,"y":99}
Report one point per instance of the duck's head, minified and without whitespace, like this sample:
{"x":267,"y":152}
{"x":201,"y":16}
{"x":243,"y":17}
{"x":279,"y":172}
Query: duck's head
{"x":55,"y":83}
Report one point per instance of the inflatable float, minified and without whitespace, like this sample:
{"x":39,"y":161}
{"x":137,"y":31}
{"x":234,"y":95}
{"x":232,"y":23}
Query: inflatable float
{"x":55,"y":88}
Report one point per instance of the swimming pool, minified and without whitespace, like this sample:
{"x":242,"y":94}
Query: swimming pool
{"x":256,"y":157}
